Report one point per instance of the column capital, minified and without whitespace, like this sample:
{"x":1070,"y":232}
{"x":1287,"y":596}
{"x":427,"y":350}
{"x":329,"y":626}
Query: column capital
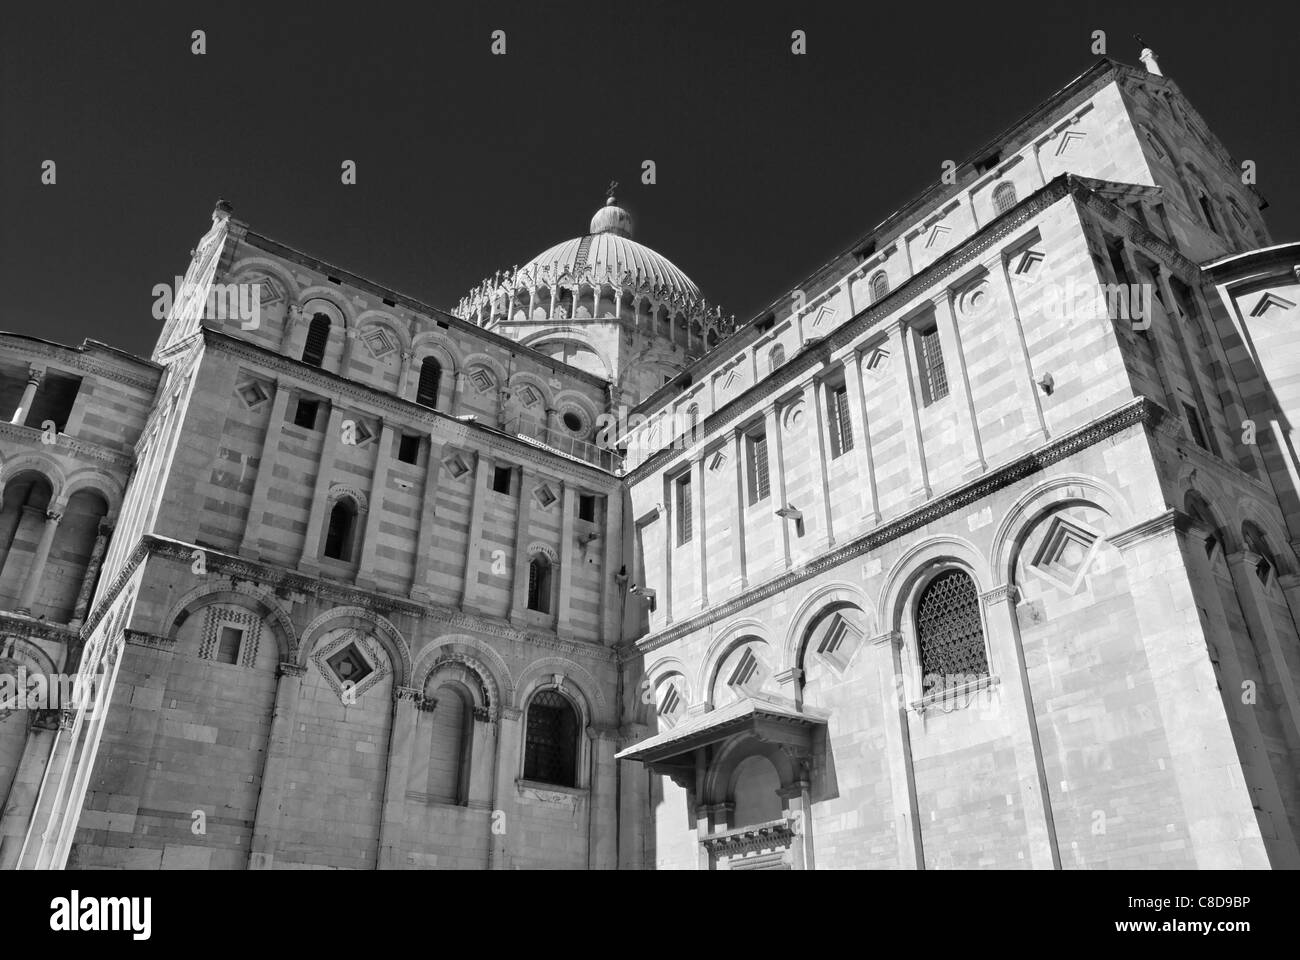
{"x":1149,"y":529}
{"x":403,"y":695}
{"x":1006,"y":593}
{"x":35,"y":373}
{"x":291,"y":669}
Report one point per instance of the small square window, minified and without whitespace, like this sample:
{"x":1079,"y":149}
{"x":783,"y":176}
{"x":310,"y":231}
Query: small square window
{"x":1194,"y":425}
{"x":587,"y":507}
{"x":228,"y":645}
{"x":305,"y":413}
{"x":501,"y":479}
{"x":408,"y":448}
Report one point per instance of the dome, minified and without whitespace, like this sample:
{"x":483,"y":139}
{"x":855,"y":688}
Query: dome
{"x":613,"y":256}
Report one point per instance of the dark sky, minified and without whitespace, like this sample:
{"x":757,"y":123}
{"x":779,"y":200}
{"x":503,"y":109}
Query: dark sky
{"x":768,"y":163}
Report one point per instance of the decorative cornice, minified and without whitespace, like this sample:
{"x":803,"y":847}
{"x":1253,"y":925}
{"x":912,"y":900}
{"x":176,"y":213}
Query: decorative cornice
{"x":816,"y":354}
{"x":140,"y":638}
{"x":68,"y":356}
{"x":774,"y":835}
{"x":1149,"y":529}
{"x":1138,"y":411}
{"x":219,"y":562}
{"x":443,"y":427}
{"x":83,"y":449}
{"x":1007,"y":593}
{"x":28,"y":628}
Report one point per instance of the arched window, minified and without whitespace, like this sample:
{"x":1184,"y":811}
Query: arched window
{"x":426,"y":394}
{"x":879,"y":285}
{"x":551,"y":747}
{"x":539,"y":584}
{"x":776,"y":357}
{"x":949,"y":634}
{"x":318,"y":337}
{"x":341,"y":530}
{"x":449,"y":752}
{"x":693,"y":420}
{"x":1253,"y":540}
{"x":1004,"y":197}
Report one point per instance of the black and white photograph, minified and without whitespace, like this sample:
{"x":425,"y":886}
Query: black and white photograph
{"x":649,"y":437}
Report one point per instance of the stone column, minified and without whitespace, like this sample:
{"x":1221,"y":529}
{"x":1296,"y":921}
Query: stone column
{"x":602,"y":831}
{"x":1259,"y":621}
{"x":92,"y":574}
{"x":370,"y":538}
{"x":34,"y":375}
{"x":404,"y":373}
{"x":887,"y":659}
{"x":1028,"y":383}
{"x":776,"y":467}
{"x":866,"y":467}
{"x":428,"y":517}
{"x":569,"y":499}
{"x":1220,"y":818}
{"x":1223,"y":650}
{"x":249,"y":545}
{"x":698,"y":521}
{"x":1155,"y":340}
{"x":292,"y":319}
{"x":309,"y":562}
{"x":37,"y":570}
{"x":482,"y":474}
{"x":819,"y":512}
{"x":20,"y":806}
{"x":509,"y":743}
{"x":349,"y":344}
{"x":405,"y":703}
{"x":738,"y":447}
{"x":950,"y":338}
{"x":1008,"y":662}
{"x":900,"y":345}
{"x":266,"y":822}
{"x":519,"y":591}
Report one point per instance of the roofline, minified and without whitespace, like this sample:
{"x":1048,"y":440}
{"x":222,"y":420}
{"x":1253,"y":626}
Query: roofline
{"x":270,"y":245}
{"x":1278,"y":250}
{"x":87,"y":346}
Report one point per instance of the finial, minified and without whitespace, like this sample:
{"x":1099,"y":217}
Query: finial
{"x":609,"y":192}
{"x":1147,"y":56}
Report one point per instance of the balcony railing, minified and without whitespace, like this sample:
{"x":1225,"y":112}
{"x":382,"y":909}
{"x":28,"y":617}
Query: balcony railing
{"x":557,"y":438}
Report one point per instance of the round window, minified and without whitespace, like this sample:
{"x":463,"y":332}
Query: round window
{"x":572,"y":421}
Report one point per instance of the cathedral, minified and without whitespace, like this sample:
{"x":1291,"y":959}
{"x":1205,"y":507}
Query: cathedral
{"x":976,"y":550}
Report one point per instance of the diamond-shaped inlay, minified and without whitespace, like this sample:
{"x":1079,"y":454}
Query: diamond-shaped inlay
{"x":1027,"y":263}
{"x":545,"y":496}
{"x":1068,"y":139}
{"x":482,"y":379}
{"x":252,"y":393}
{"x":938,"y":233}
{"x":671,"y":703}
{"x":824,"y":316}
{"x":839,"y":642}
{"x":877,"y":359}
{"x":1270,"y":301}
{"x":528,"y":396}
{"x":350,"y":665}
{"x":732,"y":378}
{"x":361,"y":433}
{"x":456,"y":466}
{"x":378,"y":341}
{"x":1065,"y":553}
{"x":718,"y":461}
{"x":268,"y":291}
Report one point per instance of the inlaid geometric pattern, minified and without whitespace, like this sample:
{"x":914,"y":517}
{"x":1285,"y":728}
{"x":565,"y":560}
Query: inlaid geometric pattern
{"x":353,"y":659}
{"x":218,"y":617}
{"x":252,"y":393}
{"x":1064,"y":554}
{"x":456,"y":466}
{"x":938,"y":233}
{"x":482,"y":379}
{"x":378,"y":341}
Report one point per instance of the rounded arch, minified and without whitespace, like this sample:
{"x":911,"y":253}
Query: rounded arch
{"x":28,"y":654}
{"x":98,"y":482}
{"x":345,"y":491}
{"x":578,"y":684}
{"x":388,"y":636}
{"x":878,"y":285}
{"x":38,"y":463}
{"x":521,"y":378}
{"x":239,"y":593}
{"x":822,"y":601}
{"x":433,"y":345}
{"x":495,"y":366}
{"x":382,"y":318}
{"x":249,"y":268}
{"x":720,"y":778}
{"x":545,"y":550}
{"x":467,"y":673}
{"x":917,"y":563}
{"x":1271,"y":530}
{"x":736,"y":634}
{"x":500,"y":683}
{"x":322,"y":299}
{"x":1044,"y":496}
